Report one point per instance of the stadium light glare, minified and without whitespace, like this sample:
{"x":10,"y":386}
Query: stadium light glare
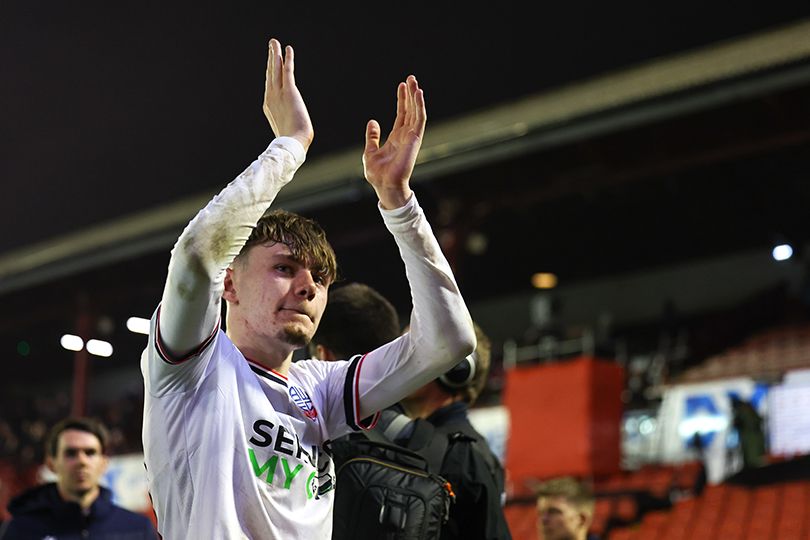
{"x":647,"y":426}
{"x":71,"y":342}
{"x":782,"y":252}
{"x":544,"y":280}
{"x":99,"y":348}
{"x":138,"y":325}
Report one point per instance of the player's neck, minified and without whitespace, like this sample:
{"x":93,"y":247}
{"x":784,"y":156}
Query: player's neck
{"x":277,"y":358}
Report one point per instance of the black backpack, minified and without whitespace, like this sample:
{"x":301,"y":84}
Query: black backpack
{"x":387,"y":491}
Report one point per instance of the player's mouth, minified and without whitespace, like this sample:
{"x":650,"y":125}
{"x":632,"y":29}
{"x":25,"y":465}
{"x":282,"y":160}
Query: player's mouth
{"x":299,"y":312}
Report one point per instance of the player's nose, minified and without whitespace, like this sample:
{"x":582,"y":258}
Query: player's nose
{"x":305,"y":285}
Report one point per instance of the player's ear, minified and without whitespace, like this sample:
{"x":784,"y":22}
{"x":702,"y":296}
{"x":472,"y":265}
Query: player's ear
{"x":229,"y":293}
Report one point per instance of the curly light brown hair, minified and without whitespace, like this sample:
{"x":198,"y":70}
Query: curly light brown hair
{"x":304,"y":236}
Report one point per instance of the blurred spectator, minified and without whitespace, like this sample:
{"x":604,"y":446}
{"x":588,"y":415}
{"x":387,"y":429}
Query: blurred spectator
{"x":700,"y":477}
{"x":748,"y":423}
{"x":25,"y":421}
{"x":357,"y":320}
{"x":469,"y":464}
{"x":565,"y":508}
{"x":75,"y":506}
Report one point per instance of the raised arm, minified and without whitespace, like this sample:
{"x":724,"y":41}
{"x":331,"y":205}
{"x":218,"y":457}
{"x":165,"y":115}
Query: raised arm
{"x":441,"y":330}
{"x":190,"y":306}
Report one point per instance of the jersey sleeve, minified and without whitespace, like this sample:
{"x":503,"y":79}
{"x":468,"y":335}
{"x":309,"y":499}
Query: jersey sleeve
{"x":336,"y":390}
{"x":190,"y":306}
{"x":165,"y":373}
{"x":441,"y":331}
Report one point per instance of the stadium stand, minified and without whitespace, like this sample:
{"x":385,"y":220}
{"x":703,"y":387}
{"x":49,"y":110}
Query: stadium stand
{"x":770,"y":502}
{"x":765,"y":355}
{"x":756,"y":505}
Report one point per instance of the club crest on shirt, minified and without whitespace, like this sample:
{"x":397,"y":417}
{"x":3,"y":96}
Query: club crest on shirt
{"x":304,"y":402}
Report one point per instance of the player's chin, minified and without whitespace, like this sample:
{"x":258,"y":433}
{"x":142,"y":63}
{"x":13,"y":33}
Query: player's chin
{"x":298,"y":335}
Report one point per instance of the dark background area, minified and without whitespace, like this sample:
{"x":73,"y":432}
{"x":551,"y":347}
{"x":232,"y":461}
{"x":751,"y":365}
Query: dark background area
{"x":110,"y":109}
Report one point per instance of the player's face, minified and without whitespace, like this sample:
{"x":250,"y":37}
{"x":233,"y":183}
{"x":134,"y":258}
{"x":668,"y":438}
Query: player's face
{"x":559,"y":520}
{"x":278,"y":296}
{"x":78,"y":463}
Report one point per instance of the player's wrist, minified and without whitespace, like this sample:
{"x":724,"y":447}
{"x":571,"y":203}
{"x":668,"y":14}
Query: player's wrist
{"x":391,"y":199}
{"x":305,"y":138}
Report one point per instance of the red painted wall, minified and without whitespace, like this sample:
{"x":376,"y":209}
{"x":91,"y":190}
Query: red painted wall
{"x":564,"y":420}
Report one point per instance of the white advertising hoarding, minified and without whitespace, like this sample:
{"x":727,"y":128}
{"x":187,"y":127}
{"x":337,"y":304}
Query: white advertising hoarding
{"x":705,"y":409}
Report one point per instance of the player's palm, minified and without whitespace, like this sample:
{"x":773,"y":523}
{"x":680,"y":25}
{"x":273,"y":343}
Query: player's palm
{"x":284,"y":106}
{"x":389,"y":167}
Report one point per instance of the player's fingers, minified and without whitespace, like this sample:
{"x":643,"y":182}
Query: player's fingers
{"x":372,"y":137}
{"x":289,"y":66}
{"x":274,"y":63}
{"x":402,"y":106}
{"x":420,"y":112}
{"x":410,"y":103}
{"x":268,"y":73}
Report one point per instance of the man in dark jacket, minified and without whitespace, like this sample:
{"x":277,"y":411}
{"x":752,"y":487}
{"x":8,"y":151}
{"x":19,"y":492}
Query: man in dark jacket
{"x":75,"y":506}
{"x":475,"y":472}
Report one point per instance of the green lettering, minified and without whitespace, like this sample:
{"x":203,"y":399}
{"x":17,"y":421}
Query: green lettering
{"x":269,"y":466}
{"x":288,"y":476}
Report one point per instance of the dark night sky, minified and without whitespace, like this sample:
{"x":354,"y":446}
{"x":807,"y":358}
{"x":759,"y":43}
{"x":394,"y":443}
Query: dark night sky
{"x":113,"y":107}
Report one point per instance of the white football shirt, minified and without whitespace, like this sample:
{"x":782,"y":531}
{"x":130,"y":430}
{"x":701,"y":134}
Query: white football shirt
{"x":234,"y":450}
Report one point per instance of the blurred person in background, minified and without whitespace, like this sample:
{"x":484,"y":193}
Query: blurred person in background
{"x":750,"y":432}
{"x":475,"y":472}
{"x":357,"y":320}
{"x":76,"y":505}
{"x":564,"y":509}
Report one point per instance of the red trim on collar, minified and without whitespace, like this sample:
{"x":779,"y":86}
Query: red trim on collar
{"x":273,"y":371}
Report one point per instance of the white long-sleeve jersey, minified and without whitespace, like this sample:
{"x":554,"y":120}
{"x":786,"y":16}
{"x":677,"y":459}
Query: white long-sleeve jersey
{"x":234,"y":450}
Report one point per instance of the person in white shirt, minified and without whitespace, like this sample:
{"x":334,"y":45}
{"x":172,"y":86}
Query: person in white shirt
{"x":236,"y":435}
